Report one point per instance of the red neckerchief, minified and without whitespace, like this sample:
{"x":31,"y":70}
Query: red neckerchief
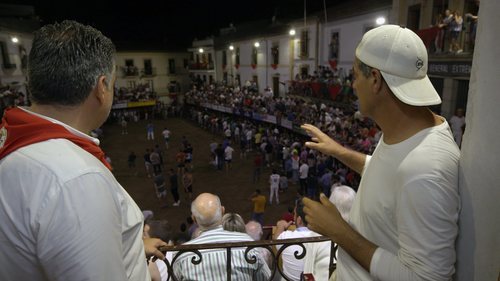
{"x":20,"y":128}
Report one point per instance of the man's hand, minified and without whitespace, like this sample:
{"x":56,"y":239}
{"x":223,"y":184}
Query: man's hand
{"x":324,"y":218}
{"x":321,"y":141}
{"x":151,"y":246}
{"x":281,"y":226}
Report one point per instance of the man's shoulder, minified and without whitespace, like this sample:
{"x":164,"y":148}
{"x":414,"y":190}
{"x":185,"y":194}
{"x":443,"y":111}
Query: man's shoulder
{"x":59,"y":157}
{"x":290,"y":234}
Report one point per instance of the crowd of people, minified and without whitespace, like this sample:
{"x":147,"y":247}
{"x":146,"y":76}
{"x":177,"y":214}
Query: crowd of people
{"x":138,"y":93}
{"x":11,"y":96}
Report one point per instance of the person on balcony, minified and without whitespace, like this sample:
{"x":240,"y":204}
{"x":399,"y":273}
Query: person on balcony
{"x":293,"y":267}
{"x":207,"y":212}
{"x":404,"y":220}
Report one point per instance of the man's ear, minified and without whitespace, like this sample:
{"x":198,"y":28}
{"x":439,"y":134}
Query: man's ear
{"x":194,"y":219}
{"x":378,"y":80}
{"x":101,"y":88}
{"x":223,"y":210}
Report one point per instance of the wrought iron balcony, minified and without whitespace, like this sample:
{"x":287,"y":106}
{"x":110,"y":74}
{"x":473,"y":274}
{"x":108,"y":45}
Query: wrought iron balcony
{"x":250,"y":258}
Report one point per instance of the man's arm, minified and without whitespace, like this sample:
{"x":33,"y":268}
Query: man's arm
{"x":324,"y":218}
{"x":322,"y":142}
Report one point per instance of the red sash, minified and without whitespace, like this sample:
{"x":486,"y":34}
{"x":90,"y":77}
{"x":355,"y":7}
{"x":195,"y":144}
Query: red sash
{"x":19,"y":129}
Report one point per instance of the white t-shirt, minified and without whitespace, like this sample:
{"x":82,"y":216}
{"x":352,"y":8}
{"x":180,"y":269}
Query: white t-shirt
{"x":166,"y":134}
{"x":293,"y":267}
{"x":303,"y":171}
{"x":228,"y":153}
{"x":274,"y":180}
{"x":407,"y":204}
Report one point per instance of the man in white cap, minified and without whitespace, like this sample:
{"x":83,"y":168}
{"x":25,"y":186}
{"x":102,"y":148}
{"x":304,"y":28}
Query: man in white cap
{"x":404,"y":220}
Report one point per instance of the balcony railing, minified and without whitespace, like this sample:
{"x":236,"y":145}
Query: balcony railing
{"x":201,"y":66}
{"x":148,"y":71}
{"x":196,"y":249}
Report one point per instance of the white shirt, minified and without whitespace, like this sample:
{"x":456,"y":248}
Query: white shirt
{"x":293,"y":267}
{"x":408,"y":204}
{"x":228,"y":153}
{"x":303,"y":171}
{"x":166,"y":133}
{"x":274,"y":180}
{"x":65,"y":217}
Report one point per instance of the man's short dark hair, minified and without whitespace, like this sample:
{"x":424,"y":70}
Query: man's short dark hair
{"x":66,"y":61}
{"x":364,"y":68}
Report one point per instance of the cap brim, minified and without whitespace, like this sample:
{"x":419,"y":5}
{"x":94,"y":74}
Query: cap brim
{"x":417,"y":92}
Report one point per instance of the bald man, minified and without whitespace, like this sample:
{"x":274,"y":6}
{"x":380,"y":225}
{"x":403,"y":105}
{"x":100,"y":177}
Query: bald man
{"x":207,"y":212}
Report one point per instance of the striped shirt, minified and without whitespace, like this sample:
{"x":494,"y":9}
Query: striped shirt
{"x":213,"y":263}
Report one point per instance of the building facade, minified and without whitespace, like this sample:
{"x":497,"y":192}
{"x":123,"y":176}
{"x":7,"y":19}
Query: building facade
{"x":164,"y":72}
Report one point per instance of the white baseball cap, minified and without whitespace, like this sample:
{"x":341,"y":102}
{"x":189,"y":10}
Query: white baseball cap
{"x":401,"y":57}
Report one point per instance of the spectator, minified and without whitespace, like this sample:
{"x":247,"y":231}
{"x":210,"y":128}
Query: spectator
{"x":259,"y":206}
{"x":254,"y":230}
{"x":174,"y":188}
{"x":131,"y":159}
{"x":160,"y":229}
{"x":319,"y":259}
{"x":274,"y":182}
{"x":71,"y":219}
{"x":150,"y":128}
{"x":233,"y":222}
{"x":417,"y":188}
{"x":207,"y":211}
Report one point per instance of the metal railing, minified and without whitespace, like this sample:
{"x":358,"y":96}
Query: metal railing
{"x":250,"y":258}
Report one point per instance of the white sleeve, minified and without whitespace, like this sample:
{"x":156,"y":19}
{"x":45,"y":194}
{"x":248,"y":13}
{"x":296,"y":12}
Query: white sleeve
{"x":367,"y":161}
{"x":79,"y":231}
{"x":427,"y":215}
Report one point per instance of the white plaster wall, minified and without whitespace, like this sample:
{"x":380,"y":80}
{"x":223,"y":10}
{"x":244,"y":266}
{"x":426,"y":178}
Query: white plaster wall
{"x":8,"y":76}
{"x":159,"y":61}
{"x":479,"y":237}
{"x":351,"y":31}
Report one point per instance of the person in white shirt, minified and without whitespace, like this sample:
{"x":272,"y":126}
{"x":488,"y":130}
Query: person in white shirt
{"x":64,"y":216}
{"x":404,"y":220}
{"x":166,"y":136}
{"x":274,"y":181}
{"x":316,"y":260}
{"x":228,"y":156}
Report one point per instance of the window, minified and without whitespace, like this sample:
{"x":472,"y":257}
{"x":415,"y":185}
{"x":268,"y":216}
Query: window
{"x":148,"y":68}
{"x":130,"y":69}
{"x":304,"y":40}
{"x":171,"y":66}
{"x":237,"y":56}
{"x":275,"y":53}
{"x":224,"y":59}
{"x":334,"y":46}
{"x":254,"y":56}
{"x":238,"y":80}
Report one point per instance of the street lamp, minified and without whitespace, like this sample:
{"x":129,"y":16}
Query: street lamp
{"x":200,"y":50}
{"x":231,"y":47}
{"x":380,"y":20}
{"x":256,"y":44}
{"x":292,"y":32}
{"x":14,"y":39}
